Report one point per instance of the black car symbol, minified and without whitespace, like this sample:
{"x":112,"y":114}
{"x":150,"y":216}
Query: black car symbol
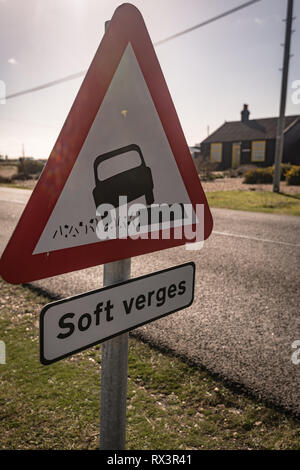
{"x":133,"y":183}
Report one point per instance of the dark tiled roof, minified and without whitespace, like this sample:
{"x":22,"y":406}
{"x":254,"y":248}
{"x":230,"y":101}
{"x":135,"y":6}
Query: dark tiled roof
{"x":254,"y":129}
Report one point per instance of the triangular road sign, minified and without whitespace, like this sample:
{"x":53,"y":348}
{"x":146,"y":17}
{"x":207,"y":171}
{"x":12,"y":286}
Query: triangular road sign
{"x":121,"y":137}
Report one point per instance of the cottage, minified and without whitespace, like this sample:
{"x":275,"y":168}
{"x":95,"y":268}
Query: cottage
{"x":252,"y":141}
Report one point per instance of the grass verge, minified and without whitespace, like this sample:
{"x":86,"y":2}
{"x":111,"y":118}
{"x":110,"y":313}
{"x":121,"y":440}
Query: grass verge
{"x":15,"y":186}
{"x":170,"y":404}
{"x":256,"y":201}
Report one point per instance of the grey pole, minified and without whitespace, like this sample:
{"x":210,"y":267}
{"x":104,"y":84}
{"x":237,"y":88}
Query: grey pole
{"x":284,"y":82}
{"x":114,"y":370}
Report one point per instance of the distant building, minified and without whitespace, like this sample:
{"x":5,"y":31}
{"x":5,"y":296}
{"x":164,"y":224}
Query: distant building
{"x":252,"y":141}
{"x":195,"y":151}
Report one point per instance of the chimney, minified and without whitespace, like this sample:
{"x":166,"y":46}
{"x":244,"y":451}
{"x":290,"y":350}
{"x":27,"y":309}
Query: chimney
{"x":245,"y":113}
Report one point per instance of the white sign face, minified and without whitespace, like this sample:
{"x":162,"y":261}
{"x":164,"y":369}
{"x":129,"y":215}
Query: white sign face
{"x":127,"y":119}
{"x":74,"y":324}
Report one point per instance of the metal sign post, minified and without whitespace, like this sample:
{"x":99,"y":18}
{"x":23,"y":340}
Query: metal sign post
{"x":114,"y":367}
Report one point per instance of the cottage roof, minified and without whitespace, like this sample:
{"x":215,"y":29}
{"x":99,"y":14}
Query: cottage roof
{"x":253,"y":129}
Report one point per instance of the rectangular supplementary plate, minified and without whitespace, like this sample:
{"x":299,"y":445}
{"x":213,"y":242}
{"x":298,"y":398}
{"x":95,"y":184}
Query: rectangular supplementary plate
{"x":71,"y":325}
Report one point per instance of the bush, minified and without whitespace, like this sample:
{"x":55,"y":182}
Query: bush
{"x":198,"y":164}
{"x":242,"y":169}
{"x":259,"y":176}
{"x":5,"y":179}
{"x":206,"y":170}
{"x":231,"y":173}
{"x":293,"y":176}
{"x":218,"y":175}
{"x":21,"y":177}
{"x":30,"y":167}
{"x":284,"y":168}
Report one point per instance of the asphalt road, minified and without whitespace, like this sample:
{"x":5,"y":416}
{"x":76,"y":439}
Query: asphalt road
{"x":247,"y":296}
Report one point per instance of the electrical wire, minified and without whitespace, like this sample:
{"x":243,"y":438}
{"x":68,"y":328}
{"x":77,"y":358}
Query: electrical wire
{"x":47,"y":85}
{"x":158,"y":43}
{"x":204,"y":23}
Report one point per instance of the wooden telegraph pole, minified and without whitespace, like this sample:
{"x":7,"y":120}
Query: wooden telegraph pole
{"x":284,"y":82}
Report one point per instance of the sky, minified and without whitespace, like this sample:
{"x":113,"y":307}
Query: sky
{"x":211,"y":72}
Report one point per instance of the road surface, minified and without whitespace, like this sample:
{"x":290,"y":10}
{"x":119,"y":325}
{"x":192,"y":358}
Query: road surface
{"x":245,"y":316}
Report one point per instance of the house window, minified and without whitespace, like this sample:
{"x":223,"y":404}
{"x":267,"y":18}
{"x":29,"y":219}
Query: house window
{"x":258,"y":151}
{"x":216,"y":152}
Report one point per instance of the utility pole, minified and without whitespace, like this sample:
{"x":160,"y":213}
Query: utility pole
{"x":284,"y":82}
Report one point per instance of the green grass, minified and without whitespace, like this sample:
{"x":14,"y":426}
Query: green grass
{"x":13,"y":185}
{"x":170,"y":404}
{"x":257,"y":201}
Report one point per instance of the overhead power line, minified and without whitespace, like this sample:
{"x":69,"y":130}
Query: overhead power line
{"x":158,"y":43}
{"x":47,"y":85}
{"x":204,"y":23}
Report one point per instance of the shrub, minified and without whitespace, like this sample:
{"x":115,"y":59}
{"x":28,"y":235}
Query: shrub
{"x":198,"y":164}
{"x":30,"y":167}
{"x":206,"y":170}
{"x":207,"y":176}
{"x":231,"y":173}
{"x":259,"y":176}
{"x":5,"y":179}
{"x":218,"y":175}
{"x":21,"y":177}
{"x":284,"y":168}
{"x":293,"y":176}
{"x":242,"y":169}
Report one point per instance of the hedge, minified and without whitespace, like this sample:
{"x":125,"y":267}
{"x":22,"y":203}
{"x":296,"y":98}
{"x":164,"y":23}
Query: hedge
{"x":259,"y":176}
{"x":293,"y":176}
